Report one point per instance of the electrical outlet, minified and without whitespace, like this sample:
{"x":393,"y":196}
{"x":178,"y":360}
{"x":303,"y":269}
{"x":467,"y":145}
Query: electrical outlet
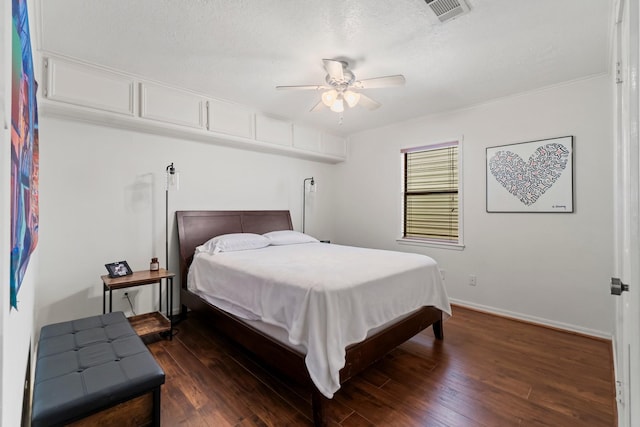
{"x":473,"y":280}
{"x":129,"y":295}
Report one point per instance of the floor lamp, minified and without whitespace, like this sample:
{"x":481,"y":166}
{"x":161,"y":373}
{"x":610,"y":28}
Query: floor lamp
{"x":172,"y":185}
{"x":312,"y":189}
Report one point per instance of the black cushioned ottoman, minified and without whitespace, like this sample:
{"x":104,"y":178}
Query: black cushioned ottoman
{"x":85,"y":366}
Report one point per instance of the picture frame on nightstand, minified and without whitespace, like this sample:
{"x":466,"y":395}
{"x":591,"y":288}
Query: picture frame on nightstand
{"x":118,"y":269}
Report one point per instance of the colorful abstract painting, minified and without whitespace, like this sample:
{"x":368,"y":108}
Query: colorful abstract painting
{"x":24,"y":150}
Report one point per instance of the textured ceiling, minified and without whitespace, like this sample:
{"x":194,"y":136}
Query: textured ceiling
{"x":240,"y":50}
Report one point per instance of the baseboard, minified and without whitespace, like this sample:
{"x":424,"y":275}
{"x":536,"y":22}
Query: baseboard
{"x":566,"y":327}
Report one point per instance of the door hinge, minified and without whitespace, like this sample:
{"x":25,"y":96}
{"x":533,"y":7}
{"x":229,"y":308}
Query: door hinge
{"x":617,"y":287}
{"x":620,"y":392}
{"x":619,"y":73}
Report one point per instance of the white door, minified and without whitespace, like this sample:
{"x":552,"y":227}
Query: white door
{"x":627,"y":221}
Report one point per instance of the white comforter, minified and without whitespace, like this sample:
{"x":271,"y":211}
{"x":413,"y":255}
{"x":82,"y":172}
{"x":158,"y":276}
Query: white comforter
{"x":326,"y":296}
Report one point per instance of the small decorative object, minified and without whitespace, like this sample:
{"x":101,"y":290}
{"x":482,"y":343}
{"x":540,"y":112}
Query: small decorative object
{"x":534,"y":176}
{"x":155,"y":265}
{"x":118,"y":269}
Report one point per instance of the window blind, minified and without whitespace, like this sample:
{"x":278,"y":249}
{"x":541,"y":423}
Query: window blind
{"x":431,"y":193}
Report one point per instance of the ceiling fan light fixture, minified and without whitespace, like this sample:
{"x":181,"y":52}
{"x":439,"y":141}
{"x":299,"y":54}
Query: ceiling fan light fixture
{"x":329,"y":97}
{"x":338,"y":106}
{"x":339,"y":82}
{"x":352,"y":98}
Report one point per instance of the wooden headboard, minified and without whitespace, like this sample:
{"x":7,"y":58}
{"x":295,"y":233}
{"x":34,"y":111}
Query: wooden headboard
{"x":197,"y":227}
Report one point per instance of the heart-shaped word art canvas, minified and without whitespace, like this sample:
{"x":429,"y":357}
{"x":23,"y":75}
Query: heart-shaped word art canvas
{"x":530,"y":177}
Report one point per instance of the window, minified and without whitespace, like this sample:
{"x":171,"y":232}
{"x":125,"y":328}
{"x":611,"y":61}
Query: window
{"x":431,"y":193}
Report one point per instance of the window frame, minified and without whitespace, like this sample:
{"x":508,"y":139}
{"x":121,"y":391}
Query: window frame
{"x":459,"y":245}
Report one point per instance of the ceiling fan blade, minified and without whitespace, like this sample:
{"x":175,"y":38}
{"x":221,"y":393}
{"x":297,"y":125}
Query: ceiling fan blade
{"x":334,"y":69}
{"x":302,"y":87}
{"x":377,"y":82}
{"x":368,"y":103}
{"x":319,"y":106}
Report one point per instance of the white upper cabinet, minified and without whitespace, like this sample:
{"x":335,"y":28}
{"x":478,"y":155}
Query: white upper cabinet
{"x":91,"y":87}
{"x":81,"y":91}
{"x":232,"y":119}
{"x":334,"y":145}
{"x":306,"y":138}
{"x":273,"y":130}
{"x":171,"y":105}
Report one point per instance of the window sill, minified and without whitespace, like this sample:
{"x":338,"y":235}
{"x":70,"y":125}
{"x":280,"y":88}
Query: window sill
{"x":431,"y":244}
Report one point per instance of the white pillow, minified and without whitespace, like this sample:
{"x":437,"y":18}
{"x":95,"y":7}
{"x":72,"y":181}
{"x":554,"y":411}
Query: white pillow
{"x":289,"y":237}
{"x":234,"y":242}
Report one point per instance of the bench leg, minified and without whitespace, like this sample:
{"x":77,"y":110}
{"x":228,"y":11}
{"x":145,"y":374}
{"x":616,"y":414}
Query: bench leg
{"x":156,"y":407}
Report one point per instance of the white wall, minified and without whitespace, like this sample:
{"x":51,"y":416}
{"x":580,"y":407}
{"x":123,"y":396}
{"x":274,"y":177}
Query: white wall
{"x":15,"y":325}
{"x":102,"y":199}
{"x":549,"y":268}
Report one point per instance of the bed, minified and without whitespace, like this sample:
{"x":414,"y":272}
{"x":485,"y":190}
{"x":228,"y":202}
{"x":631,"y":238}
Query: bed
{"x":260,"y":336}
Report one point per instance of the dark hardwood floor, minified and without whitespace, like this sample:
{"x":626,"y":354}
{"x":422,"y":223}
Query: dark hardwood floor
{"x":488,"y":371}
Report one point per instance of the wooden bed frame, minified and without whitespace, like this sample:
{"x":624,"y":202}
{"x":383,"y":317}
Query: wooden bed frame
{"x":196,"y":227}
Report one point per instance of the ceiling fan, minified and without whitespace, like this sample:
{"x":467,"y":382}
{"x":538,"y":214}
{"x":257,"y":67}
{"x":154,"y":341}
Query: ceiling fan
{"x":342,"y":87}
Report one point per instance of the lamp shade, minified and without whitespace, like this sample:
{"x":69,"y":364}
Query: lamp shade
{"x":329,"y":97}
{"x":312,"y":189}
{"x":352,"y":98}
{"x":338,"y":106}
{"x":173,"y":178}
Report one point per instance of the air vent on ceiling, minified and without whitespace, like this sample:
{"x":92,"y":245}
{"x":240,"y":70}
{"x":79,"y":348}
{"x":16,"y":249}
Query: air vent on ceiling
{"x":448,"y":9}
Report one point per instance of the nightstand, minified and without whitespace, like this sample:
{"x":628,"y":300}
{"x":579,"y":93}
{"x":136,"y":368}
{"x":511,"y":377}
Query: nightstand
{"x":148,"y":323}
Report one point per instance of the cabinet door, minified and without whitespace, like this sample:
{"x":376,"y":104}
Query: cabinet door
{"x":88,"y":86}
{"x":170,"y":105}
{"x":232,"y":119}
{"x":306,"y":138}
{"x":334,"y":145}
{"x":273,"y":130}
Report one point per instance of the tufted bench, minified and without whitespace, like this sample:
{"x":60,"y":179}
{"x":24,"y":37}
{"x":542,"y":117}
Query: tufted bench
{"x":86,"y":366}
